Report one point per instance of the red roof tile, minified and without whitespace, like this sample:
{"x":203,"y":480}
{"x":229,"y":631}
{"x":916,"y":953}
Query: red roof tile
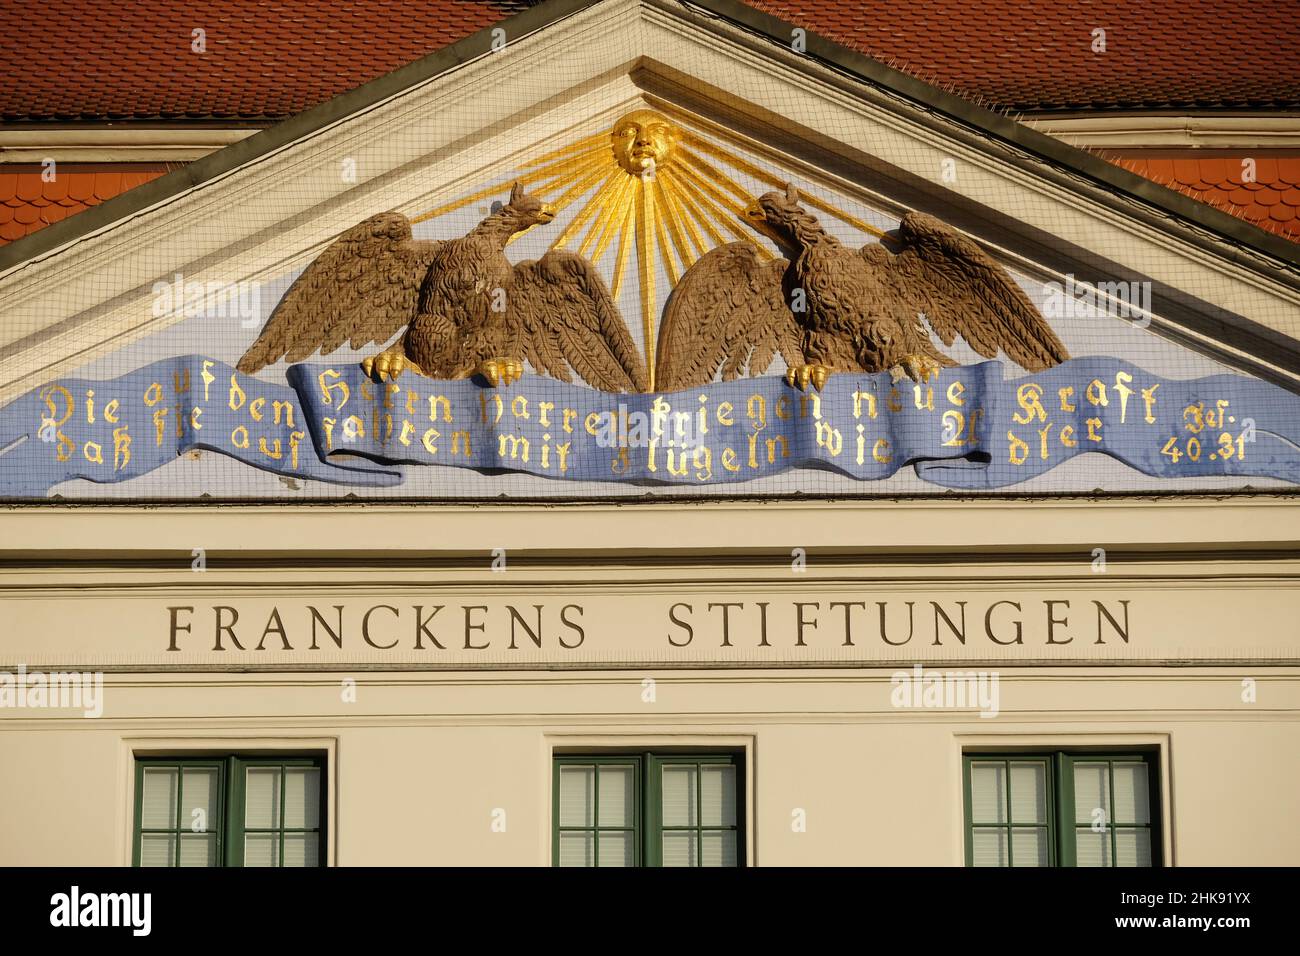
{"x":1269,"y":200}
{"x":262,"y":60}
{"x":1038,"y":54}
{"x":268,"y":59}
{"x":28,"y":201}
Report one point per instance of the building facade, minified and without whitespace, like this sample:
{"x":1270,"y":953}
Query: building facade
{"x":266,"y":606}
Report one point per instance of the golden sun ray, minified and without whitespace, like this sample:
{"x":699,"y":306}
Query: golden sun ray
{"x":464,"y":201}
{"x":590,"y":169}
{"x":593,"y":205}
{"x":693,"y":213}
{"x":705,"y":168}
{"x":711,"y":198}
{"x":668,"y":233}
{"x":595,"y":143}
{"x":683,"y":216}
{"x":645,"y":214}
{"x":665,"y":250}
{"x":624,"y":250}
{"x":776,"y":182}
{"x":611,"y":224}
{"x":674,"y":231}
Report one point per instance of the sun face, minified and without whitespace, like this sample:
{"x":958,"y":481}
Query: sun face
{"x":654,"y":188}
{"x":643,"y":141}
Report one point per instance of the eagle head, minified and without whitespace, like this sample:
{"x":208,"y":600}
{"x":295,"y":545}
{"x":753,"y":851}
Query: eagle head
{"x":527,"y":210}
{"x":778,"y":214}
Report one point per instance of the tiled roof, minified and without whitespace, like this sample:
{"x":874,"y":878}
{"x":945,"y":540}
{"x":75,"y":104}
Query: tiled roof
{"x":269,"y":59}
{"x":266,"y":59}
{"x":1038,"y":54}
{"x":262,"y":60}
{"x":28,"y":201}
{"x":1271,"y":201}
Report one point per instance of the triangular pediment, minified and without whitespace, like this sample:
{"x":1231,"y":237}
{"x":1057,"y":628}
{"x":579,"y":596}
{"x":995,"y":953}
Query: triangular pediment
{"x":1114,"y":274}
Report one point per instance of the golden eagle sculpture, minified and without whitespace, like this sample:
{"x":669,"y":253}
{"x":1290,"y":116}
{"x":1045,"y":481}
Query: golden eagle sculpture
{"x":465,"y":307}
{"x":831,"y":309}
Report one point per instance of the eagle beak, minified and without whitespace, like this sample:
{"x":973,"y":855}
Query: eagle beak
{"x":547,"y":212}
{"x":754,"y":213}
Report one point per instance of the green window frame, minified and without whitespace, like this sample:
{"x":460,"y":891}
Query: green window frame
{"x":648,"y":828}
{"x":228,"y":826}
{"x":1065,"y":818}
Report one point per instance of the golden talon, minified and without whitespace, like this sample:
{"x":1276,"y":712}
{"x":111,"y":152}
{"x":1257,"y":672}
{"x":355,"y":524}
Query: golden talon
{"x":388,"y":365}
{"x":501,"y":371}
{"x":919,"y":368}
{"x":801,"y":376}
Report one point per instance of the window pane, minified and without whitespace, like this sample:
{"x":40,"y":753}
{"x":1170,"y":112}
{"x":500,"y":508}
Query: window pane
{"x":1091,"y":793}
{"x":198,"y":849}
{"x":301,"y":799}
{"x":1092,"y":848}
{"x":1132,"y":798}
{"x":301,"y":849}
{"x":157,"y":849}
{"x":262,"y":797}
{"x":577,"y":801}
{"x":988,"y":792}
{"x":1132,"y":847}
{"x":679,"y":848}
{"x":261,"y":849}
{"x":989,"y":847}
{"x":616,"y":849}
{"x":718,"y":801}
{"x":680,"y":808}
{"x":1028,"y":793}
{"x":577,"y":849}
{"x":199,"y":814}
{"x":1029,"y":846}
{"x":617,"y":800}
{"x":719,"y":848}
{"x":158,"y":802}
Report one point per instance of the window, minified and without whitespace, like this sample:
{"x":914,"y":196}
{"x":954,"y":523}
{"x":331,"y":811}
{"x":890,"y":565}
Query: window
{"x":1061,"y":809}
{"x":229,"y":811}
{"x":647,"y":809}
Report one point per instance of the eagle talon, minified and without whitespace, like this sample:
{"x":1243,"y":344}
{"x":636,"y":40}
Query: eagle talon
{"x":919,"y":368}
{"x":388,"y":365}
{"x":501,"y":371}
{"x":801,"y":376}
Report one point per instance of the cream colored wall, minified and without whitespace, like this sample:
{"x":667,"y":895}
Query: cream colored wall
{"x":423,"y":756}
{"x":419,"y":763}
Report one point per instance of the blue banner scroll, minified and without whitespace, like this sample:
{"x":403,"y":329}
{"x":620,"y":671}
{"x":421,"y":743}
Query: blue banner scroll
{"x":122,"y":428}
{"x":968,"y":429}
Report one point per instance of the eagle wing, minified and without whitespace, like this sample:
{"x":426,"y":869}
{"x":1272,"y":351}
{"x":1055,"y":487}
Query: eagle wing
{"x":570,"y":321}
{"x":363,"y":288}
{"x":964,"y":292}
{"x":728,"y":313}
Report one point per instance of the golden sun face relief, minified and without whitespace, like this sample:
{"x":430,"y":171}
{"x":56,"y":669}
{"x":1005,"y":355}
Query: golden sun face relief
{"x":642,"y":141}
{"x":651,"y":186}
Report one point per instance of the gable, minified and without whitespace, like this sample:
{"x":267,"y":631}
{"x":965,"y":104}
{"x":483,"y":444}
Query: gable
{"x":443,"y":148}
